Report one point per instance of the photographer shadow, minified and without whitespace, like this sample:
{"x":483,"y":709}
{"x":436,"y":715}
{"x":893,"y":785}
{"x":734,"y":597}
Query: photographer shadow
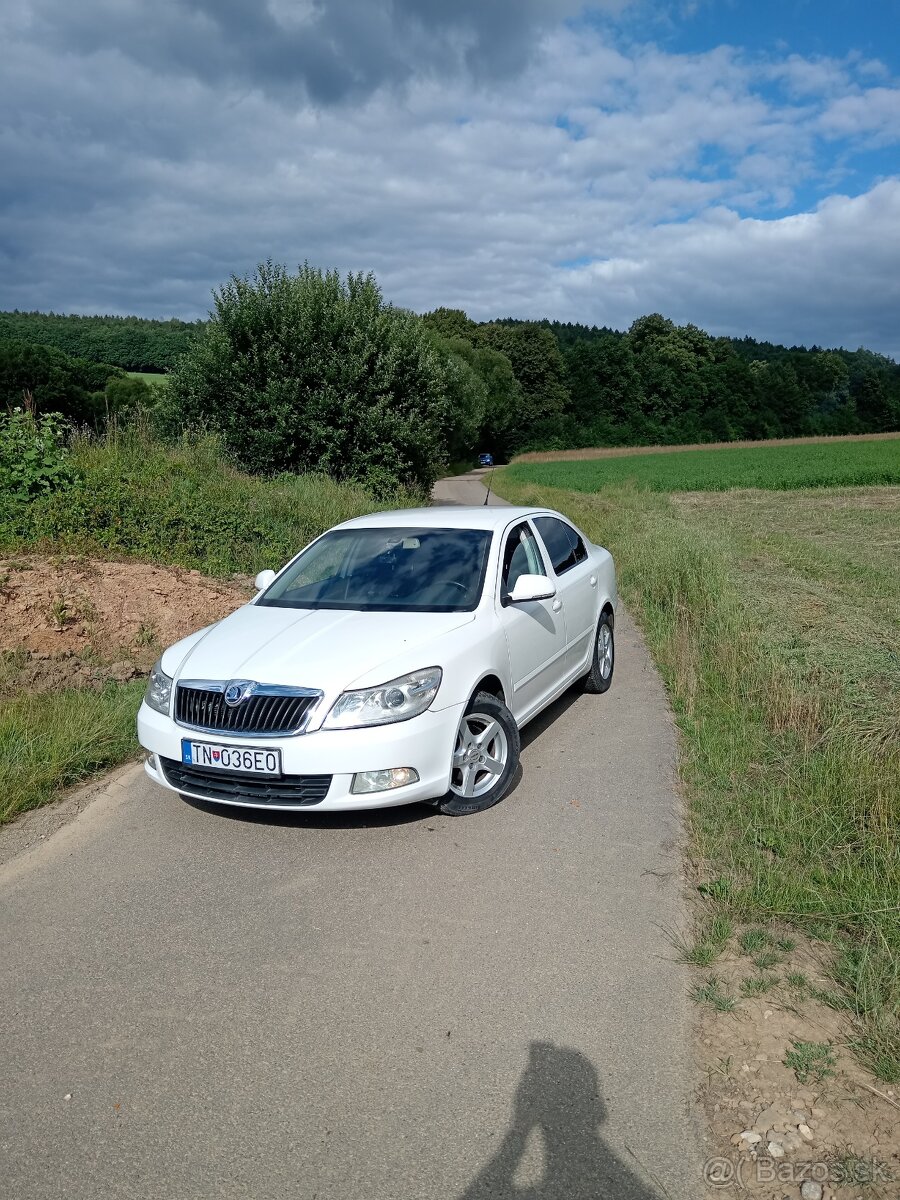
{"x":558,"y":1097}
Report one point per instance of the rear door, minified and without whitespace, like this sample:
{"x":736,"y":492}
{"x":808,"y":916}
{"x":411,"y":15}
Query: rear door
{"x":535,"y":632}
{"x":576,"y":583}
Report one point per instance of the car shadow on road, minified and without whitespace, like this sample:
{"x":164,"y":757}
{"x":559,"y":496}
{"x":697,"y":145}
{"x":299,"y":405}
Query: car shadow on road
{"x":558,"y":1102}
{"x":545,"y":720}
{"x":374,"y":818}
{"x":405,"y":814}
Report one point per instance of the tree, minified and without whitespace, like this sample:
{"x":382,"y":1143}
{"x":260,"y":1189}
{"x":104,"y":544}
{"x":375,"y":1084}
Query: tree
{"x":452,"y":323}
{"x":56,"y":381}
{"x":313,"y":372}
{"x":501,"y":403}
{"x":540,"y":372}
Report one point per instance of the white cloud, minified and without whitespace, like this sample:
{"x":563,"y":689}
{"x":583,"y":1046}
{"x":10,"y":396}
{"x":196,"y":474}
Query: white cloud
{"x":874,"y":113}
{"x":831,"y":276}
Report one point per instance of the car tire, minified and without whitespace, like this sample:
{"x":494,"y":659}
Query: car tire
{"x":603,"y":659}
{"x":485,"y":757}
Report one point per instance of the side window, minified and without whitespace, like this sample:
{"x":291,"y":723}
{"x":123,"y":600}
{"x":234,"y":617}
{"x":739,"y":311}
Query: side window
{"x":521,"y":556}
{"x":577,"y":544}
{"x":560,"y":541}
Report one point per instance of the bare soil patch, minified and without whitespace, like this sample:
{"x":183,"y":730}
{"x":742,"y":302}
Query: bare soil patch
{"x":624,"y":451}
{"x":73,"y":621}
{"x":836,"y":1126}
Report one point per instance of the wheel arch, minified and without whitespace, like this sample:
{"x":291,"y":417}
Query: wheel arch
{"x":493,"y":684}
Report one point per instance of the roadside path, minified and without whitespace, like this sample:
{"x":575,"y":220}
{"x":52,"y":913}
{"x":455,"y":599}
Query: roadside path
{"x":399,"y":1006}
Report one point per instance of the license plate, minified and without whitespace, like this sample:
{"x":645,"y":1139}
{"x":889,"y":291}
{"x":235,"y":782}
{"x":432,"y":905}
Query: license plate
{"x":248,"y":760}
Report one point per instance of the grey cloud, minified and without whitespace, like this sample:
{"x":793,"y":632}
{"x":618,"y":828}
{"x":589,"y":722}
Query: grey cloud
{"x":328,"y":51}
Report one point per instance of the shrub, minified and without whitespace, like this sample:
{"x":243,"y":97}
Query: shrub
{"x":33,"y":459}
{"x":310,"y":372}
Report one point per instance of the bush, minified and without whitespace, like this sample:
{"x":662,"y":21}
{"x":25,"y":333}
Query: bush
{"x":310,"y":372}
{"x":33,"y":459}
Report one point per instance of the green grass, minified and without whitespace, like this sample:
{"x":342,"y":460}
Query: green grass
{"x":153,"y":378}
{"x":185,"y":505}
{"x":711,"y":993}
{"x":711,"y":939}
{"x":758,"y":985}
{"x":822,"y":464}
{"x":775,"y":620}
{"x":49,"y":742}
{"x":810,"y":1060}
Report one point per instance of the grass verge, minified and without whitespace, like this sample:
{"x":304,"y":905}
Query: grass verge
{"x":774,"y":620}
{"x":185,"y":505}
{"x":52,"y":741}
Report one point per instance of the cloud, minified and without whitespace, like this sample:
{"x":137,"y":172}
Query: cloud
{"x":813,"y":273}
{"x":874,"y":113}
{"x":328,"y":51}
{"x":138,"y":174}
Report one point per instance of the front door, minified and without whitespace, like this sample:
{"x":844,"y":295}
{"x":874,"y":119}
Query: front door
{"x":535,"y":631}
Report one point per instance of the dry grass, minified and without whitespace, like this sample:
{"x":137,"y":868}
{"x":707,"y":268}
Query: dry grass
{"x":624,"y":451}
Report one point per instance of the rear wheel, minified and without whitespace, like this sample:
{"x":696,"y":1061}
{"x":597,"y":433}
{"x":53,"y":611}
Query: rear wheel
{"x":485,"y":757}
{"x":599,"y":677}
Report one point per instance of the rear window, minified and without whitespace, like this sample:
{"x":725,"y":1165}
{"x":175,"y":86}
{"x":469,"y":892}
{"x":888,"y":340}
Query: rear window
{"x":564,"y":545}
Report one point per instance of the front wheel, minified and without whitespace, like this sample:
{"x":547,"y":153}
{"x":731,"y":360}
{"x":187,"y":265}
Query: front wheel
{"x":599,"y":677}
{"x":485,"y":757}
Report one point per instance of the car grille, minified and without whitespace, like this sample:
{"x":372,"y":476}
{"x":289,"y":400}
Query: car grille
{"x":268,"y":711}
{"x":299,"y":791}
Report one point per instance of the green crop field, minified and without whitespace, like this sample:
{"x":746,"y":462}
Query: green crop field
{"x":153,"y":378}
{"x":774,"y":617}
{"x":861,"y":463}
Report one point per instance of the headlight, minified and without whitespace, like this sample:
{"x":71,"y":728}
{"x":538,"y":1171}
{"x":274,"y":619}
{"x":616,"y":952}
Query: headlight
{"x":397,"y":700}
{"x":159,"y":690}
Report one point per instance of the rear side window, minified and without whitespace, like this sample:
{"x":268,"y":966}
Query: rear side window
{"x":565,"y":547}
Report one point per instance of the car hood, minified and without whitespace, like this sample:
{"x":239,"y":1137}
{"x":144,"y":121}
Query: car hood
{"x":324,"y":649}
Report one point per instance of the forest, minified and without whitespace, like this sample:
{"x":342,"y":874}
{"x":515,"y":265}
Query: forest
{"x":507,"y":386}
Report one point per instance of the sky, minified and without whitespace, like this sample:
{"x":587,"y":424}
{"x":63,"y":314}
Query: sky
{"x":730,"y":163}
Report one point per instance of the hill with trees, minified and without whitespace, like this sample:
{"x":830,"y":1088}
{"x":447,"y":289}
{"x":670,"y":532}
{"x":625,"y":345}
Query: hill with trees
{"x":132,"y":343}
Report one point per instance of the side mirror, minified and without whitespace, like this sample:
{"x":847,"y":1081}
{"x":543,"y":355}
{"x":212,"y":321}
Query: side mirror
{"x":532,"y":587}
{"x":263,"y":579}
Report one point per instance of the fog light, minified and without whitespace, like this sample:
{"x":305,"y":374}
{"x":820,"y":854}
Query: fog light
{"x":383,"y":781}
{"x":152,"y":763}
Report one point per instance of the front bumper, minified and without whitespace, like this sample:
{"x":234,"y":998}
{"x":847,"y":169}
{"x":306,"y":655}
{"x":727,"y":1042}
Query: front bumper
{"x":425,"y":743}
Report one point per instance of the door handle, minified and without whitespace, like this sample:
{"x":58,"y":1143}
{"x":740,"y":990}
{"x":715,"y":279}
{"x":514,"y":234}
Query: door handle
{"x":557,"y":605}
{"x":593,"y":581}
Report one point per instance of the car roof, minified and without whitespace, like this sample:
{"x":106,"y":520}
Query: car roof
{"x":447,"y":516}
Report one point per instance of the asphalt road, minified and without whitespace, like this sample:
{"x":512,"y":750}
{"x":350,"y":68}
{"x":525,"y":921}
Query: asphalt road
{"x":197,"y":1003}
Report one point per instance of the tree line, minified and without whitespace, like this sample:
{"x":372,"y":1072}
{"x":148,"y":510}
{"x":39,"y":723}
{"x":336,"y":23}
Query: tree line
{"x":42,"y":379}
{"x":133,"y":343}
{"x":313,"y":371}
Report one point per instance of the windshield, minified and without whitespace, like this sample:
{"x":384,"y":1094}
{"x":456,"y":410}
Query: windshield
{"x":387,"y":570}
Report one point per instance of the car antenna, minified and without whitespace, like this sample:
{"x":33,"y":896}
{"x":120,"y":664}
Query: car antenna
{"x":488,"y":493}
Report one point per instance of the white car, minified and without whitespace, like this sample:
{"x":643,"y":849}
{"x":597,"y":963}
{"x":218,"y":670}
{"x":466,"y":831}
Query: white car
{"x":394,"y":660}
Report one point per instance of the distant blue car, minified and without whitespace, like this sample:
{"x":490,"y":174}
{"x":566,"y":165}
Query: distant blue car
{"x":485,"y":460}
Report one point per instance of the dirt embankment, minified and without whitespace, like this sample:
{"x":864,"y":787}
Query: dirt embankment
{"x":79,"y":622}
